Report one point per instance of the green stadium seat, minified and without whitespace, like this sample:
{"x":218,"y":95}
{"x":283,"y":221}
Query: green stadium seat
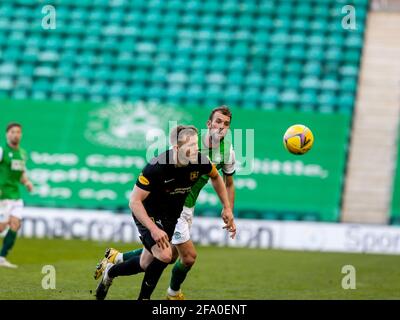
{"x":327,"y":99}
{"x":315,"y":53}
{"x":348,"y":70}
{"x":346,"y":102}
{"x":251,"y":97}
{"x":330,"y":84}
{"x":139,"y":75}
{"x":354,"y":41}
{"x":293,"y":68}
{"x":194,"y":92}
{"x":308,"y":97}
{"x":278,"y":51}
{"x":348,"y":84}
{"x":264,"y":23}
{"x":310,"y":83}
{"x":218,"y":64}
{"x":300,"y":24}
{"x":273,"y":80}
{"x":20,"y":94}
{"x":289,"y":97}
{"x":270,"y":95}
{"x":316,"y":39}
{"x":275,"y":66}
{"x":237,"y":64}
{"x":216,"y":78}
{"x":291,"y":82}
{"x":298,"y":38}
{"x":198,"y":77}
{"x":254,"y":80}
{"x":180,"y":63}
{"x":335,"y":40}
{"x":297,"y":52}
{"x":285,"y":9}
{"x":62,"y":86}
{"x":8,"y":68}
{"x":333,"y":54}
{"x":233,"y":93}
{"x":352,"y":56}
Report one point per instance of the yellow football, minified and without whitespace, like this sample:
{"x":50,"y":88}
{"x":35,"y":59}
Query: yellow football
{"x":298,"y":139}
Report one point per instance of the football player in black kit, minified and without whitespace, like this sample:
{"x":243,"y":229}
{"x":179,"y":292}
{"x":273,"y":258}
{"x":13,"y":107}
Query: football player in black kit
{"x":156,"y":203}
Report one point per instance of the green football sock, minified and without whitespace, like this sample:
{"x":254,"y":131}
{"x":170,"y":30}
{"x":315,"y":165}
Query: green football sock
{"x":8,"y":242}
{"x":179,"y":272}
{"x":127,"y":255}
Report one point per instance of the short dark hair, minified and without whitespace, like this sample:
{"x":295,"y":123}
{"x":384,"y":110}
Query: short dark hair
{"x":12,"y":125}
{"x":178,"y":134}
{"x":222,"y":109}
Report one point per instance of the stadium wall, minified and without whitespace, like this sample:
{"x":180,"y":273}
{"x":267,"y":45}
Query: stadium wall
{"x":304,"y":236}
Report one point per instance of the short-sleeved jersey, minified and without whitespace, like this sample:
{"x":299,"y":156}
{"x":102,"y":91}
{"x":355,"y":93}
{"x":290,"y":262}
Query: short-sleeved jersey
{"x":169,"y":184}
{"x":223,"y":157}
{"x":12,"y":166}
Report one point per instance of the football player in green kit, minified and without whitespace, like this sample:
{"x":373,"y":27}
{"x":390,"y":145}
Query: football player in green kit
{"x":12,"y":173}
{"x":220,"y":152}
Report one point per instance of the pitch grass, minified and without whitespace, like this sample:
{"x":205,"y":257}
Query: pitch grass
{"x":219,"y":273}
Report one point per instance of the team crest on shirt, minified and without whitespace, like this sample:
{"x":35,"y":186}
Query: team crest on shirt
{"x":194,"y":175}
{"x":17,"y":165}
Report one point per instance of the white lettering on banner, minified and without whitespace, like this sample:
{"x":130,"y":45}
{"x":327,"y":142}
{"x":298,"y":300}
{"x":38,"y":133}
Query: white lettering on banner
{"x":97,"y":194}
{"x":78,"y":224}
{"x":242,"y":183}
{"x":288,"y":168}
{"x":115,"y":161}
{"x":209,"y":198}
{"x":372,"y":240}
{"x":81,"y":175}
{"x":296,"y":235}
{"x":45,"y":191}
{"x":64,"y":159}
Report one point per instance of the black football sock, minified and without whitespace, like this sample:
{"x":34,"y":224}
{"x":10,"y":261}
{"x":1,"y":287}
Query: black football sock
{"x":151,"y":277}
{"x":126,"y":268}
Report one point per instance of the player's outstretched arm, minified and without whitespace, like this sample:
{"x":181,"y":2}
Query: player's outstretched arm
{"x":230,"y":188}
{"x":26,"y":182}
{"x":227,"y":215}
{"x":136,"y":204}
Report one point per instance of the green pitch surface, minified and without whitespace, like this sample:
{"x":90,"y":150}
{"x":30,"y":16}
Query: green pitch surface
{"x":219,"y":273}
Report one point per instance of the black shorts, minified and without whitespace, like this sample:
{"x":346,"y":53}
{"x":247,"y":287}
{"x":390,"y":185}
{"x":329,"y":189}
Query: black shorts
{"x":167,"y":226}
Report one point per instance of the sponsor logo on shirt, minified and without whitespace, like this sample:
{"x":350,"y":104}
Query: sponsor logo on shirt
{"x":17,"y":165}
{"x":143,"y":180}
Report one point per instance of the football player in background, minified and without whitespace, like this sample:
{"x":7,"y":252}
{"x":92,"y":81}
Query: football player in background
{"x":12,"y":174}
